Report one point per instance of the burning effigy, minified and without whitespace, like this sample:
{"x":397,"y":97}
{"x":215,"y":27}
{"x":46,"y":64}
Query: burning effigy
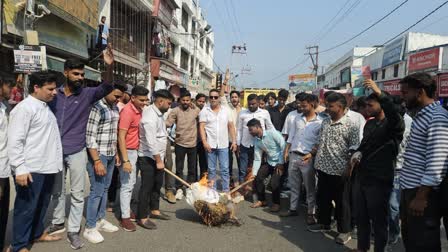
{"x":213,"y":207}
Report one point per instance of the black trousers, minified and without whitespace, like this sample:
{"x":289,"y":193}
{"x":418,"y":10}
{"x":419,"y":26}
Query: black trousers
{"x":181,"y":152}
{"x":202,"y":157}
{"x":114,"y":186}
{"x":420,"y":233}
{"x":264,"y":172}
{"x":372,"y":210}
{"x":4,"y":209}
{"x":152,"y":181}
{"x":333,"y":188}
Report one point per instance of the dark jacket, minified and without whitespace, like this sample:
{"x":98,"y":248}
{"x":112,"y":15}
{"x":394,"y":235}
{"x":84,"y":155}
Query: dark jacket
{"x":379,"y":146}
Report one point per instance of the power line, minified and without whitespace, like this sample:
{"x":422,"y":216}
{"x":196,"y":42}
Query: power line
{"x":230,"y":19}
{"x":339,"y":20}
{"x":331,"y":20}
{"x":236,"y":20}
{"x":287,"y":71}
{"x":407,"y":29}
{"x":222,"y":19}
{"x":366,"y":29}
{"x":433,"y":23}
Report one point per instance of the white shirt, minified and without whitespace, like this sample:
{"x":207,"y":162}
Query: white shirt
{"x":5,"y":170}
{"x":304,"y":135}
{"x":243,"y":136}
{"x":359,"y":120}
{"x":289,"y":121}
{"x":234,"y":113}
{"x":153,"y":134}
{"x":216,"y":126}
{"x":34,"y":142}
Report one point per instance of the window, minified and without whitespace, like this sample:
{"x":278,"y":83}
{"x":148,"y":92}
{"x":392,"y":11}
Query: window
{"x":184,"y":60}
{"x":193,"y":28}
{"x":173,"y":52}
{"x":185,"y":19}
{"x":374,"y":75}
{"x":396,"y":67}
{"x":383,"y":74}
{"x":207,"y":47}
{"x":191,"y":65}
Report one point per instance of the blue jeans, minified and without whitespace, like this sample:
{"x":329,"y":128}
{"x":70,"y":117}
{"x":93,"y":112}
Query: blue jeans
{"x":30,"y":207}
{"x":246,"y":155}
{"x":99,"y":187}
{"x":394,"y":212}
{"x":222,"y":155}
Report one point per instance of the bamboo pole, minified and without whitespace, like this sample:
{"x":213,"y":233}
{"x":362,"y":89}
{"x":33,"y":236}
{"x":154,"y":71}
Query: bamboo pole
{"x":177,"y":177}
{"x":241,"y":185}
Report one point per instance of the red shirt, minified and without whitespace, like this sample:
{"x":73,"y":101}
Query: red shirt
{"x":130,"y":118}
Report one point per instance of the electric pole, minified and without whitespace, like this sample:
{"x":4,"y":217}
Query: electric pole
{"x":313,"y":52}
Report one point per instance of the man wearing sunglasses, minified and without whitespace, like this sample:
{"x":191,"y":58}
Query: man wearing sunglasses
{"x":215,"y":125}
{"x":71,"y":107}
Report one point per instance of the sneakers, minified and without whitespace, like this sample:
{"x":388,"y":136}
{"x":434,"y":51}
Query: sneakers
{"x":56,"y":229}
{"x":170,"y":197}
{"x":343,"y":238}
{"x":105,"y":226}
{"x":92,"y":235}
{"x":133,"y":216}
{"x":289,"y":213}
{"x":127,"y":225}
{"x":316,"y":228}
{"x":74,"y":240}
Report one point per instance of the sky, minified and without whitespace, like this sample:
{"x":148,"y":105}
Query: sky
{"x":277,"y":33}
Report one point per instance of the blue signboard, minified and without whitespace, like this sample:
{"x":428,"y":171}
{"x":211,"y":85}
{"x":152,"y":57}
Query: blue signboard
{"x":393,"y":52}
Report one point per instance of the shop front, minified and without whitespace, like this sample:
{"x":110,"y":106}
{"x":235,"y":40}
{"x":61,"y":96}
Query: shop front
{"x":174,"y":77}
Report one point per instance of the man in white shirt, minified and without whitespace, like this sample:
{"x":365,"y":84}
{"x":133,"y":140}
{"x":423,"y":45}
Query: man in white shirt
{"x":291,"y":117}
{"x":215,"y":125}
{"x":302,"y":139}
{"x":35,"y":156}
{"x":245,"y":140}
{"x":5,"y":171}
{"x":151,"y":155}
{"x":235,"y":108}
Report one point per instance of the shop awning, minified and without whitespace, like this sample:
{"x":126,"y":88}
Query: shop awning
{"x":57,"y":64}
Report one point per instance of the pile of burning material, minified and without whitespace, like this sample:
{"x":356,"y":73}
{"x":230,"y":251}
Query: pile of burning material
{"x":214,"y":208}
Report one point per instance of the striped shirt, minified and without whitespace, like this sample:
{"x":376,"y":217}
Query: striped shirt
{"x":102,"y":126}
{"x":426,"y":154}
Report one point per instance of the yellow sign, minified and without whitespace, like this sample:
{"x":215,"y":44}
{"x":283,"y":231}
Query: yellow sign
{"x":258,"y":91}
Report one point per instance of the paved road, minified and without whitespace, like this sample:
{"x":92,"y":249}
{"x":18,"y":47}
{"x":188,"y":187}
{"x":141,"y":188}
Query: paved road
{"x":261,"y":231}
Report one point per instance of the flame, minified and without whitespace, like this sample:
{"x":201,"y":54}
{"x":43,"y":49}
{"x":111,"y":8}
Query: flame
{"x":204,"y":180}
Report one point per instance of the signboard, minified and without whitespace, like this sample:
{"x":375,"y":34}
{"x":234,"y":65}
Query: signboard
{"x":425,"y":61}
{"x":393,"y":87}
{"x":393,"y":52}
{"x":443,"y":85}
{"x":302,"y":83}
{"x":29,"y":59}
{"x":359,"y":74}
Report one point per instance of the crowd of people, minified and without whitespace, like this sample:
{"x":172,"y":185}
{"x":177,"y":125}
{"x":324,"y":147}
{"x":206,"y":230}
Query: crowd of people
{"x":369,"y":171}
